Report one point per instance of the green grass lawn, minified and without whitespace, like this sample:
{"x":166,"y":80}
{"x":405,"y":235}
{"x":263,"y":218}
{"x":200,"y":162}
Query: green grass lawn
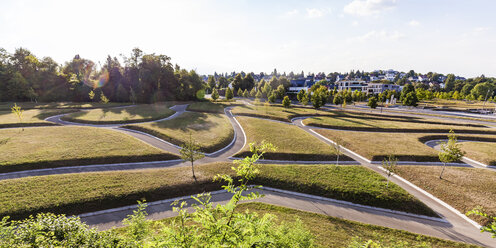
{"x":484,"y":152}
{"x":376,"y":146}
{"x":368,"y":122}
{"x":31,"y":117}
{"x":210,"y":130}
{"x":462,"y":188}
{"x":86,"y":192}
{"x":139,"y":113}
{"x":292,"y":142}
{"x":60,"y":105}
{"x":456,"y":104}
{"x":44,"y":147}
{"x":212,"y":107}
{"x":276,"y":111}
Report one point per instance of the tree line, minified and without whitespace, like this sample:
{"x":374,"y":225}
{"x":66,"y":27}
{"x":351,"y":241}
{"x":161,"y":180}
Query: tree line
{"x":143,"y":78}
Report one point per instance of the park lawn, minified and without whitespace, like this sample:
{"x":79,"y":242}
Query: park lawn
{"x":86,"y":192}
{"x":276,"y":111}
{"x":132,"y":114}
{"x":30,"y":117}
{"x":376,"y":146}
{"x":462,"y":188}
{"x":484,"y":152}
{"x":357,"y":122}
{"x":211,"y":131}
{"x":456,"y":104}
{"x":211,"y":107}
{"x":292,"y":142}
{"x":46,"y":147}
{"x":60,"y":105}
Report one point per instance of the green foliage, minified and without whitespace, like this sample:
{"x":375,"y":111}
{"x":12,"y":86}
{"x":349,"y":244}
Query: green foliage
{"x":450,"y":151}
{"x":200,"y":94}
{"x":246,"y":93}
{"x":253,"y":92}
{"x":491,"y":226}
{"x":410,"y":99}
{"x":211,"y":82}
{"x":215,"y":94}
{"x":138,"y":226}
{"x":338,"y":99}
{"x":222,"y":226}
{"x":132,"y":96}
{"x":286,"y":102}
{"x":372,"y":102}
{"x":229,"y":94}
{"x":272,"y":97}
{"x":91,"y":95}
{"x":258,"y":95}
{"x":103,"y":99}
{"x":240,"y":92}
{"x":190,"y":151}
{"x":319,"y":97}
{"x":49,"y":230}
{"x":389,"y":165}
{"x":18,"y":112}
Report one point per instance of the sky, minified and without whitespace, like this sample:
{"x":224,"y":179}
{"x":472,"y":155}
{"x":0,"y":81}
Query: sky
{"x":444,"y":36}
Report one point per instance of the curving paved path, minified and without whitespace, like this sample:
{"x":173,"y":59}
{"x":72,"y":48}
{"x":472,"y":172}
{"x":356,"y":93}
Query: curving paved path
{"x":457,"y":228}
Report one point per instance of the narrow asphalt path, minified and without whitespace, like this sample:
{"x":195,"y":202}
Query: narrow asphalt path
{"x":459,"y":224}
{"x":107,"y":219}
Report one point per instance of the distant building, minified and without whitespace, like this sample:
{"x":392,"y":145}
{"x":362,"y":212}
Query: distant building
{"x":377,"y":88}
{"x":352,"y":85}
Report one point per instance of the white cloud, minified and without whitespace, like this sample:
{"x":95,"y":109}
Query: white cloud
{"x":379,"y":35}
{"x":481,"y":29}
{"x":413,"y":23}
{"x":317,"y":13}
{"x":368,"y":7}
{"x":291,"y":13}
{"x":354,"y":24}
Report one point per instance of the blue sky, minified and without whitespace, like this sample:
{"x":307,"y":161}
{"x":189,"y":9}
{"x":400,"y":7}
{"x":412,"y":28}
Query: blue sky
{"x":446,"y":36}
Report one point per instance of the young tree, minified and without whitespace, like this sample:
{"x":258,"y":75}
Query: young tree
{"x":337,"y":147}
{"x":450,"y":151}
{"x":253,"y":92}
{"x":91,"y":95}
{"x":272,"y":97}
{"x":301,"y":94}
{"x":229,"y":94}
{"x":258,"y":95}
{"x":190,"y":151}
{"x":246,"y":93}
{"x":215,"y":94}
{"x":372,"y":102}
{"x":103,"y":99}
{"x":304,"y":100}
{"x":286,"y":102}
{"x":410,"y":99}
{"x":18,"y":113}
{"x":132,"y":96}
{"x":390,"y":165}
{"x":319,"y":97}
{"x":240,"y":92}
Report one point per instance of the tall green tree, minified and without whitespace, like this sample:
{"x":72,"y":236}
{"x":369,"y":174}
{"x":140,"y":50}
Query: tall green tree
{"x":229,"y":94}
{"x":215,"y":95}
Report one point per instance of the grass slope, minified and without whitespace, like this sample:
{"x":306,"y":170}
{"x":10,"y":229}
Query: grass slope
{"x":211,"y":107}
{"x":276,"y":111}
{"x":59,"y":105}
{"x":292,"y":142}
{"x":462,"y":188}
{"x":138,"y":113}
{"x":378,"y":123}
{"x":210,"y":130}
{"x":86,"y":192}
{"x":484,"y":152}
{"x":45,"y":147}
{"x":31,"y":117}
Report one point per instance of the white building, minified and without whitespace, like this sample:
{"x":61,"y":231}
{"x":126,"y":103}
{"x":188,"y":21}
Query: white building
{"x":352,"y":85}
{"x":377,"y":88}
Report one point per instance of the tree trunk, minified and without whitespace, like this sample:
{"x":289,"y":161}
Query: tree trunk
{"x":193,"y":170}
{"x":337,"y":160}
{"x":441,"y":176}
